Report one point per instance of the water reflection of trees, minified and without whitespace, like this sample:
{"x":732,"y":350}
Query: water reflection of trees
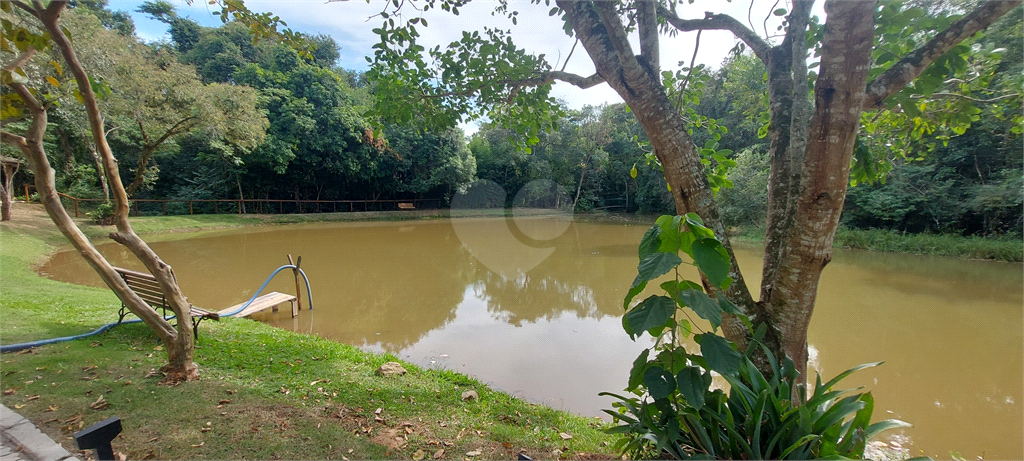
{"x":566,"y":281}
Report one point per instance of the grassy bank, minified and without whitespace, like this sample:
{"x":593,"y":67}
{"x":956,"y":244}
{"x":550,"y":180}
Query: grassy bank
{"x":265,"y":393}
{"x":974,"y":247}
{"x":996,"y":248}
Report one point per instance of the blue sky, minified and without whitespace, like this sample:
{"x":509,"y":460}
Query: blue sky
{"x":349,"y":23}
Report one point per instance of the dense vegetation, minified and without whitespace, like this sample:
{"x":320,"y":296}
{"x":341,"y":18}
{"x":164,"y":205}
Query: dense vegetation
{"x":297,"y":130}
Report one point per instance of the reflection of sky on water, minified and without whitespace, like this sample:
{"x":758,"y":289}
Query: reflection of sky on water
{"x":544,"y":361}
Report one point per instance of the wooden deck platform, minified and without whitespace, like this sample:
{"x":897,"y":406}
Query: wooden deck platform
{"x":269,"y":300}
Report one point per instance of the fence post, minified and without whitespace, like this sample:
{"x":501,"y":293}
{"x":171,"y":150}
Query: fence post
{"x":26,"y":192}
{"x":215,"y":210}
{"x":164,"y":203}
{"x":76,"y":207}
{"x":189,"y":207}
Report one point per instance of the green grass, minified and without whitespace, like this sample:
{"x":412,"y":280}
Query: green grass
{"x":265,"y":393}
{"x":1004,"y":248}
{"x":1000,"y":248}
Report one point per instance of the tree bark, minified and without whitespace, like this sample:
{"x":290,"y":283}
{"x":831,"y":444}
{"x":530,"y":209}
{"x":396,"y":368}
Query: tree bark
{"x":7,"y":190}
{"x":839,"y":100}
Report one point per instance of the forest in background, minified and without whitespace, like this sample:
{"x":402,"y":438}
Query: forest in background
{"x":210,"y":114}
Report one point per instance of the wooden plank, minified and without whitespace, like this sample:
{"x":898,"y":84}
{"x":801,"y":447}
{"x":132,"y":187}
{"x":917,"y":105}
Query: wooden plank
{"x":262,"y":303}
{"x":406,"y":206}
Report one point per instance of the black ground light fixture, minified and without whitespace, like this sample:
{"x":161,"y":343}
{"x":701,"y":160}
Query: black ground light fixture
{"x":98,"y":437}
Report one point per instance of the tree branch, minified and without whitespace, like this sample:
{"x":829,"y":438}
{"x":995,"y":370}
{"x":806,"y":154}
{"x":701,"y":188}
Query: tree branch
{"x":713,"y":21}
{"x":20,"y":60}
{"x":912,"y":65}
{"x":981,"y":101}
{"x":647,"y":25}
{"x":13,"y":139}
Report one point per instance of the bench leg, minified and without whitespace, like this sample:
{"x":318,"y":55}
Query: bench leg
{"x":195,"y":327}
{"x":295,"y":309}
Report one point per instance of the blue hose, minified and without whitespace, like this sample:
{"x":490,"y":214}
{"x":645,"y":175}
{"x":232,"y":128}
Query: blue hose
{"x":43,"y":342}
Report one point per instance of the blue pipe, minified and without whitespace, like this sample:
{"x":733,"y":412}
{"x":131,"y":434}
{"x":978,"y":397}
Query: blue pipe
{"x":43,"y":342}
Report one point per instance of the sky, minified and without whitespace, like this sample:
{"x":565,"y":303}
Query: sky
{"x":350,"y":23}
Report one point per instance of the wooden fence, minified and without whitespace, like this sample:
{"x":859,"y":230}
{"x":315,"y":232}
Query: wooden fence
{"x":260,"y":206}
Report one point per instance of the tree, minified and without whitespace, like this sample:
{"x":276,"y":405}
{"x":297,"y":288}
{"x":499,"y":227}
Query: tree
{"x":24,"y":43}
{"x":811,"y":139}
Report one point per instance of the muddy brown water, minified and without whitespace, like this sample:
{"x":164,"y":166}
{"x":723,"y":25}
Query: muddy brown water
{"x":542,"y":319}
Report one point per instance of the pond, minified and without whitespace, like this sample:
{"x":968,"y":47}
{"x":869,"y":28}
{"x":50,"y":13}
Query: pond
{"x":542,"y":319}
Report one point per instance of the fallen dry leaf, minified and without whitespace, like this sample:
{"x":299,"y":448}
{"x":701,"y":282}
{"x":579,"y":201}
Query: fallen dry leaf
{"x":439,"y":454}
{"x":197,"y":446}
{"x":377,"y":411}
{"x":95,"y":344}
{"x":154,"y":439}
{"x":418,"y":455}
{"x":224,"y":402}
{"x":52,"y":408}
{"x":564,"y":435}
{"x":474,"y":453}
{"x":158,"y":348}
{"x":121,"y":456}
{"x":99,"y":404}
{"x":32,"y":397}
{"x":10,"y":391}
{"x":19,"y":406}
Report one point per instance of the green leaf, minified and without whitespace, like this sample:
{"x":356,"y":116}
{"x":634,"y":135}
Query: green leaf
{"x":692,"y":385}
{"x":651,"y":313}
{"x":632,"y":172}
{"x":713,"y":261}
{"x":705,"y":307}
{"x":659,"y":382}
{"x":636,"y":373}
{"x":650,"y":242}
{"x":882,"y":426}
{"x":656,"y":265}
{"x":779,"y":12}
{"x":638,"y":285}
{"x":719,"y":353}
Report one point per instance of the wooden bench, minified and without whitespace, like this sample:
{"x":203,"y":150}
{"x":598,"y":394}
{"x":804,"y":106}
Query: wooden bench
{"x":146,"y":286}
{"x":406,"y":206}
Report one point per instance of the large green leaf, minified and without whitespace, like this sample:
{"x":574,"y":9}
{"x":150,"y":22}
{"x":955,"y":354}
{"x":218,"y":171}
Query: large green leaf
{"x":719,"y":353}
{"x":650,"y":242}
{"x":659,"y":382}
{"x":713,"y":261}
{"x":882,"y":426}
{"x":656,"y":265}
{"x":703,"y":305}
{"x":637,"y":372}
{"x":638,"y":285}
{"x":669,"y":233}
{"x":692,"y":386}
{"x":653,"y":312}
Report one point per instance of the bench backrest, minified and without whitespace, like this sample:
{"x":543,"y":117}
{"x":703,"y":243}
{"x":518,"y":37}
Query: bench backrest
{"x":144,"y":285}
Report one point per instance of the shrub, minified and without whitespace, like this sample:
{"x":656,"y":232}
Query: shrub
{"x":675,"y":411}
{"x":103,"y":214}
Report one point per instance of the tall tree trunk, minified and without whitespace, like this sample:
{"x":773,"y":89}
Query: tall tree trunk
{"x":178,"y":341}
{"x":602,"y":35}
{"x":7,"y":190}
{"x":840,"y":95}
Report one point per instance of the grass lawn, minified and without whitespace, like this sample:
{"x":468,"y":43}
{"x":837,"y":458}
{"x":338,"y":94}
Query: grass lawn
{"x":265,"y":393}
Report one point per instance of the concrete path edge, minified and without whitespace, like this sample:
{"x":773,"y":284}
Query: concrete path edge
{"x":20,"y":433}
